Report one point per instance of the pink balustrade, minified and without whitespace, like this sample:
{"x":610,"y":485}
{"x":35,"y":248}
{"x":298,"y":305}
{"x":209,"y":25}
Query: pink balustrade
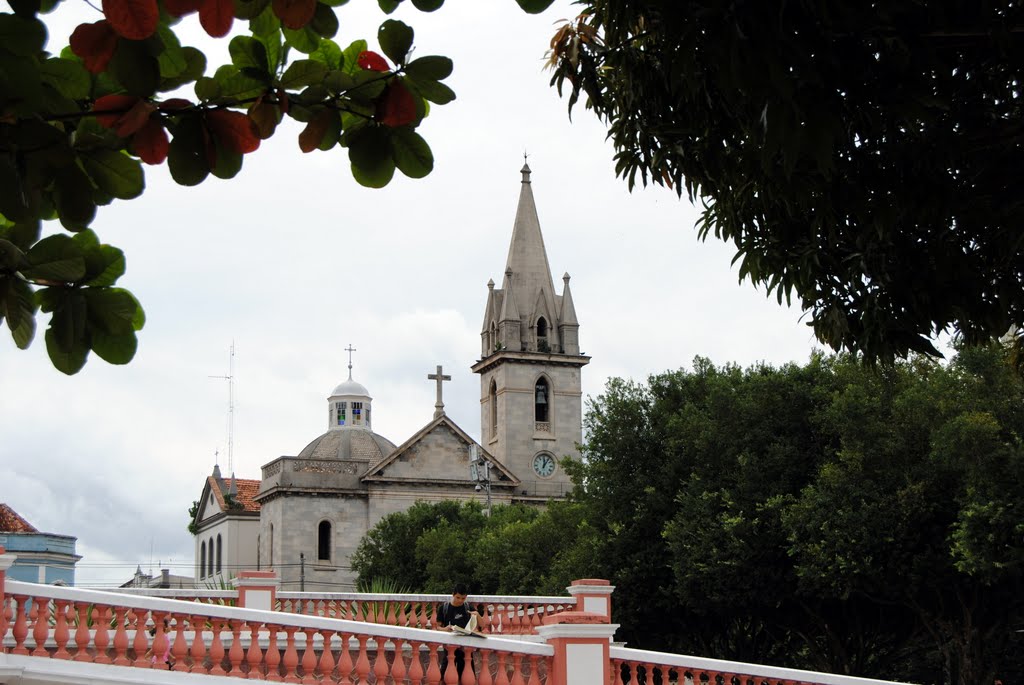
{"x":639,"y":667}
{"x":499,"y":615}
{"x":114,"y":628}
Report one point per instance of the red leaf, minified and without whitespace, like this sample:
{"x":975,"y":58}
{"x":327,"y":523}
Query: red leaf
{"x":173,"y":104}
{"x":266,"y":117}
{"x":180,"y":8}
{"x":371,"y":61}
{"x":94,"y":44}
{"x":234,"y":129}
{"x":216,"y":16}
{"x":294,"y":14}
{"x":133,"y":19}
{"x":396,"y":106}
{"x":150,"y":142}
{"x":315,"y":130}
{"x":116,"y":107}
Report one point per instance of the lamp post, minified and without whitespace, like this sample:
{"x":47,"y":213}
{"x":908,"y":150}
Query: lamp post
{"x":480,"y":473}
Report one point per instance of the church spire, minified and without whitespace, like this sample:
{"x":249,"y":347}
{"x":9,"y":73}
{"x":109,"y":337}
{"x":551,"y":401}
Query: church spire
{"x":527,"y":257}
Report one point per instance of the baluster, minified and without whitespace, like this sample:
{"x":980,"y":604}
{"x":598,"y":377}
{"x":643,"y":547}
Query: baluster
{"x":82,"y":632}
{"x":291,"y":656}
{"x":217,"y":648}
{"x":517,"y":669}
{"x":468,"y":675}
{"x":140,"y":643}
{"x":236,"y":654}
{"x":161,"y":644}
{"x":649,"y":670}
{"x":415,"y":664}
{"x":615,"y":674}
{"x":61,"y":634}
{"x":433,"y":667}
{"x":380,"y":659}
{"x":254,"y":655}
{"x":534,"y":671}
{"x":198,"y":651}
{"x":632,"y":674}
{"x":451,"y":674}
{"x":344,"y":661}
{"x":403,"y":613}
{"x":398,"y":669}
{"x":517,"y":619}
{"x":179,"y":648}
{"x":7,"y":604}
{"x":41,"y":628}
{"x":326,"y":666}
{"x":362,"y":661}
{"x":101,"y":640}
{"x":484,"y":678}
{"x":485,"y":620}
{"x":272,"y":656}
{"x":389,"y":613}
{"x":121,"y":638}
{"x":502,"y":670}
{"x":308,"y":657}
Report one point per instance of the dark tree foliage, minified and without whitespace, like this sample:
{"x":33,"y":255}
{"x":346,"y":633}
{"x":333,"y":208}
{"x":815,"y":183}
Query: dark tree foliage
{"x":864,"y":158}
{"x":831,"y":517}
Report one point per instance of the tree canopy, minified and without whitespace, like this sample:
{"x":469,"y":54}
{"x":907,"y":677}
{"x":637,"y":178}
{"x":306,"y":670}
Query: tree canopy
{"x":864,"y":159}
{"x":830,"y":516}
{"x":78,"y":123}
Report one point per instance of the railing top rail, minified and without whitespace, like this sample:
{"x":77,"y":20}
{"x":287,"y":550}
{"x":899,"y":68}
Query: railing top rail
{"x":411,"y":597}
{"x":276,"y":618}
{"x":695,"y":663}
{"x":166,"y":592}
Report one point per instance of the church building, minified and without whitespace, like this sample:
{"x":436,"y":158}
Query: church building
{"x":307,"y":513}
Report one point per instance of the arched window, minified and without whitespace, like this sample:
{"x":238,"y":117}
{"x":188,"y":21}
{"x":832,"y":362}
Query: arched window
{"x":270,"y":550}
{"x":202,"y":559}
{"x":209,"y":559}
{"x":218,"y":553}
{"x":323,"y":541}
{"x":541,"y":401}
{"x":492,"y":399}
{"x":542,"y":327}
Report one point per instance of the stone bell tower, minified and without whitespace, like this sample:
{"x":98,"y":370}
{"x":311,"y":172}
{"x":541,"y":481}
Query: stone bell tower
{"x":530,"y":363}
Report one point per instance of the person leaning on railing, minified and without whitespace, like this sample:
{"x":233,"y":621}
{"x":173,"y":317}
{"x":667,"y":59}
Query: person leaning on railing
{"x":455,"y":612}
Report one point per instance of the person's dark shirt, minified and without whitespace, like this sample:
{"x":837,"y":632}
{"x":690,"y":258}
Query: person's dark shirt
{"x":448,"y":615}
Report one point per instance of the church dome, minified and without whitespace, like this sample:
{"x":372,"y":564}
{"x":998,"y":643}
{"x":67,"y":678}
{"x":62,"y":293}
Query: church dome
{"x":361,"y":445}
{"x":350,"y":387}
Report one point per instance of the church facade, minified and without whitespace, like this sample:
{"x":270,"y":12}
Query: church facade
{"x":307,"y":513}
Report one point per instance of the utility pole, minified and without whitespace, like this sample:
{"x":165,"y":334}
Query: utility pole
{"x":480,"y":471}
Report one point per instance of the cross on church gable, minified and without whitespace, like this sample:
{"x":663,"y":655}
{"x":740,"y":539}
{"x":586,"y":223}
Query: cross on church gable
{"x":440,"y":377}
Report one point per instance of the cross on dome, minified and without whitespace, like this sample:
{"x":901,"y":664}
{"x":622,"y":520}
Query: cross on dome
{"x":350,"y":350}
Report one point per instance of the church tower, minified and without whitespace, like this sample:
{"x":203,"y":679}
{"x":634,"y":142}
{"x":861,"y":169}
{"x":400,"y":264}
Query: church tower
{"x":530,"y":363}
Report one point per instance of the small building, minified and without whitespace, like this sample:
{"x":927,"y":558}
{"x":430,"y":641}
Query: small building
{"x":165,"y":581}
{"x":226,"y":527}
{"x":42,"y":557}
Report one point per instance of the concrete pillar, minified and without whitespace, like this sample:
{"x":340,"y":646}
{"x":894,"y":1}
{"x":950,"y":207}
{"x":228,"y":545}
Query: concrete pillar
{"x":593,"y":595}
{"x":257,"y":589}
{"x":581,"y":640}
{"x":6,"y":561}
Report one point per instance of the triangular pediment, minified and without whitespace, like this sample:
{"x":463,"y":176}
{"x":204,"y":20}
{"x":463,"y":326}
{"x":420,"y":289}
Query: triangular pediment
{"x":438,"y":454}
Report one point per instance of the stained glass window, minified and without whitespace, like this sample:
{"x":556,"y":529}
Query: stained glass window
{"x":341,"y":413}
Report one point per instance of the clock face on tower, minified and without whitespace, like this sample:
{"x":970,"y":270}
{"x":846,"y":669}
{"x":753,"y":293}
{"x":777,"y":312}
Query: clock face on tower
{"x":544,"y":465}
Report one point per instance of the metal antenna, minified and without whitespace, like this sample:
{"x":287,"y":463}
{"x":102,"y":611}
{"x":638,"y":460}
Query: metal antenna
{"x":230,"y":378}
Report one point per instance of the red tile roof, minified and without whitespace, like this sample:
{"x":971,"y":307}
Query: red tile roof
{"x":247,"y":489}
{"x":11,"y":522}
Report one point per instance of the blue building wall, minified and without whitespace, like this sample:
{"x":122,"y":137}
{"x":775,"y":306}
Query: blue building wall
{"x":42,"y":557}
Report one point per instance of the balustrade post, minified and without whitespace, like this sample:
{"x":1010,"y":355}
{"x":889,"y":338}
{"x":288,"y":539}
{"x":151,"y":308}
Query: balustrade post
{"x":581,"y":641}
{"x":593,"y":595}
{"x":6,"y":561}
{"x":256,"y":589}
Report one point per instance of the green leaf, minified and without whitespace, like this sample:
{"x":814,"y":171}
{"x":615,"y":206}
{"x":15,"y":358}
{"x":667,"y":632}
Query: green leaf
{"x":328,"y":53}
{"x":55,"y":258}
{"x":104,"y":264}
{"x":186,"y":158}
{"x":23,"y":234}
{"x":18,"y":306}
{"x":72,"y":196}
{"x":534,"y":6}
{"x":114,"y":349}
{"x":207,"y":89}
{"x":247,"y":9}
{"x":25,"y":8}
{"x":248,"y":52}
{"x":395,"y":38}
{"x":69,"y":361}
{"x":302,"y":73}
{"x":265,"y":23}
{"x":67,"y":76}
{"x":234,"y":85}
{"x":434,"y":91}
{"x":227,"y":163}
{"x":338,"y":81}
{"x":369,"y":153}
{"x":305,"y":40}
{"x":427,"y":5}
{"x":430,"y":67}
{"x":325,"y":21}
{"x":22,"y":35}
{"x":20,"y":87}
{"x":11,"y":256}
{"x":114,"y":172}
{"x":195,"y":67}
{"x":135,"y":68}
{"x":388,"y":6}
{"x":351,"y":54}
{"x":111,"y":310}
{"x":171,"y":60}
{"x":411,"y":153}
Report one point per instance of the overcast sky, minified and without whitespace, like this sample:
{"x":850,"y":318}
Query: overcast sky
{"x":293,"y":261}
